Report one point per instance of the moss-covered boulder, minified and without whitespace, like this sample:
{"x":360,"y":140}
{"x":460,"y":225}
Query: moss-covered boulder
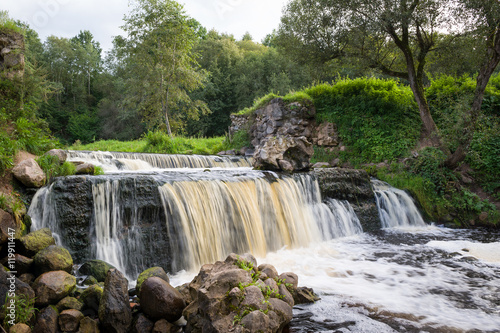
{"x":51,"y":287}
{"x":91,"y":297}
{"x":53,"y":258}
{"x":36,"y":241}
{"x":88,"y":325}
{"x":154,"y":271}
{"x":115,"y":315}
{"x":68,"y":303}
{"x":96,"y":268}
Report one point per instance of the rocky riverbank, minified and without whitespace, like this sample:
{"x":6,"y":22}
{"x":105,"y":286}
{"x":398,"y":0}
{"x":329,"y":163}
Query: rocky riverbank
{"x":41,"y":290}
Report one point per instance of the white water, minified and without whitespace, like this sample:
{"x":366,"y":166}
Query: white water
{"x":396,"y":207}
{"x":393,"y":282}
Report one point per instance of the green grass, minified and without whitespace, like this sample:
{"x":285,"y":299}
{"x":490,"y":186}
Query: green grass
{"x":160,"y":143}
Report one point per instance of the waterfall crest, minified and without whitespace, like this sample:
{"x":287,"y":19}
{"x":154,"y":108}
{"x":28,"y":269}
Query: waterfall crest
{"x":396,"y":207}
{"x":112,"y":161}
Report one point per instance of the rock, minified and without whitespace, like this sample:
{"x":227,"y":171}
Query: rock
{"x":51,"y":287}
{"x":163,"y":326}
{"x":36,"y":241}
{"x":88,"y":325}
{"x":7,"y":223}
{"x":20,"y":328}
{"x":9,"y":281}
{"x":69,"y":320}
{"x":184,"y":291}
{"x":91,"y":297}
{"x":142,"y":324}
{"x":160,"y":300}
{"x":483,"y":216}
{"x":326,"y":134}
{"x":59,"y":153}
{"x":53,"y":258}
{"x":290,"y":278}
{"x":321,"y":165}
{"x":22,"y":264}
{"x":253,"y":298}
{"x":284,"y":153}
{"x":256,"y":322}
{"x":69,"y":303}
{"x":29,"y":173}
{"x":305,"y":295}
{"x":90,"y":280}
{"x":27,"y":278}
{"x":154,"y":271}
{"x":287,"y":296}
{"x":115,"y":315}
{"x":269,"y":270}
{"x":335,"y":162}
{"x":283,"y":310}
{"x":97,"y":268}
{"x":85,"y":169}
{"x":46,"y":321}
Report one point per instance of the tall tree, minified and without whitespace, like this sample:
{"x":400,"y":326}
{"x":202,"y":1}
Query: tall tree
{"x":484,"y":20}
{"x":159,"y":46}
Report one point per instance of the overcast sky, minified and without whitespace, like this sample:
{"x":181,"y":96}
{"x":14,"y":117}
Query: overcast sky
{"x":103,"y":18}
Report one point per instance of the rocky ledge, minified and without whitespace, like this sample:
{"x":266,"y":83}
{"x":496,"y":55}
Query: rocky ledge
{"x":235,"y":295}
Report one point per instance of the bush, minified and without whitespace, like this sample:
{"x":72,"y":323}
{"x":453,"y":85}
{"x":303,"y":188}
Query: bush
{"x":50,"y":165}
{"x":377,"y":119}
{"x":33,"y":137}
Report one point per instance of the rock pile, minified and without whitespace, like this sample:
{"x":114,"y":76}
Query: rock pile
{"x":233,"y":295}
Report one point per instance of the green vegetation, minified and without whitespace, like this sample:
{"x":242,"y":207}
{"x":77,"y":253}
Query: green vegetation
{"x":52,"y":168}
{"x":24,"y":309}
{"x":159,"y":142}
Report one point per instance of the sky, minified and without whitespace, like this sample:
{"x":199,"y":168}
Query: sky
{"x":103,"y":18}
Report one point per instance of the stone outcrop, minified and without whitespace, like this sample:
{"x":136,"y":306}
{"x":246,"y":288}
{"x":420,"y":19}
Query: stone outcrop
{"x":29,"y":173}
{"x":11,"y":54}
{"x":235,"y":296}
{"x":353,"y":186}
{"x":281,"y":136}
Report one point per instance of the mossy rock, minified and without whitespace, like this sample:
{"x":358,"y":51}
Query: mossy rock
{"x":69,"y":303}
{"x":53,"y":258}
{"x":91,"y":297}
{"x":90,"y":280}
{"x":96,"y":268}
{"x":51,"y":287}
{"x":36,"y":241}
{"x":151,"y":272}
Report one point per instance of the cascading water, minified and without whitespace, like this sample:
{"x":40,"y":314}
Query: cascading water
{"x":114,"y":161}
{"x":396,"y":207}
{"x":398,"y":279}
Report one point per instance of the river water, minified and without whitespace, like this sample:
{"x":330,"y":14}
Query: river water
{"x":407,"y":277}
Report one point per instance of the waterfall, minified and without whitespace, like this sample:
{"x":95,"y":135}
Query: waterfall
{"x":112,"y":161}
{"x":209,"y":219}
{"x":42,"y":213}
{"x":396,"y":207}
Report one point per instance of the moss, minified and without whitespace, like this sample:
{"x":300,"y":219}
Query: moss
{"x":37,"y":240}
{"x":97,"y":268}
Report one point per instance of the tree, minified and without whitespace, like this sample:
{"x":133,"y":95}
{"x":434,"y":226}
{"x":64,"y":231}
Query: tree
{"x":159,"y":50}
{"x":396,"y":37}
{"x":484,"y":20}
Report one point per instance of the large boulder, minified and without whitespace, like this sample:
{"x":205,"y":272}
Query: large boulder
{"x":36,"y":241}
{"x":85,"y":169}
{"x":7,"y":225}
{"x":151,"y":272}
{"x":53,"y":258}
{"x":9,"y":282}
{"x":160,"y":300}
{"x":96,"y":268}
{"x":29,"y":173}
{"x":230,"y":297}
{"x":46,"y":321}
{"x":51,"y":287}
{"x":61,"y":155}
{"x":20,"y":328}
{"x":22,"y":264}
{"x":115,"y":315}
{"x":284,"y":153}
{"x":88,"y":325}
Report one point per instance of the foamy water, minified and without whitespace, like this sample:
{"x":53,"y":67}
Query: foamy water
{"x":395,"y":281}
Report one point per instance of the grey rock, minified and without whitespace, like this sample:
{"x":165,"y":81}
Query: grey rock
{"x":29,"y":173}
{"x":115,"y":314}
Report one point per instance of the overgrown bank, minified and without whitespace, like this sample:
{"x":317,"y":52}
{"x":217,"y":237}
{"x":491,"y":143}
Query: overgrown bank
{"x":378,"y":127}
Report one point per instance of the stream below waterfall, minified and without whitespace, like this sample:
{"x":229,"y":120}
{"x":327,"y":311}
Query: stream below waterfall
{"x":406,"y":277}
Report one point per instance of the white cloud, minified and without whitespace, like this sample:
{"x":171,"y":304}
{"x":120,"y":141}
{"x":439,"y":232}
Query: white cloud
{"x":103,"y":18}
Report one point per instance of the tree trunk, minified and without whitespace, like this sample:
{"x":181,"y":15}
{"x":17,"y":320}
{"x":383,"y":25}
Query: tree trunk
{"x":470,"y":124}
